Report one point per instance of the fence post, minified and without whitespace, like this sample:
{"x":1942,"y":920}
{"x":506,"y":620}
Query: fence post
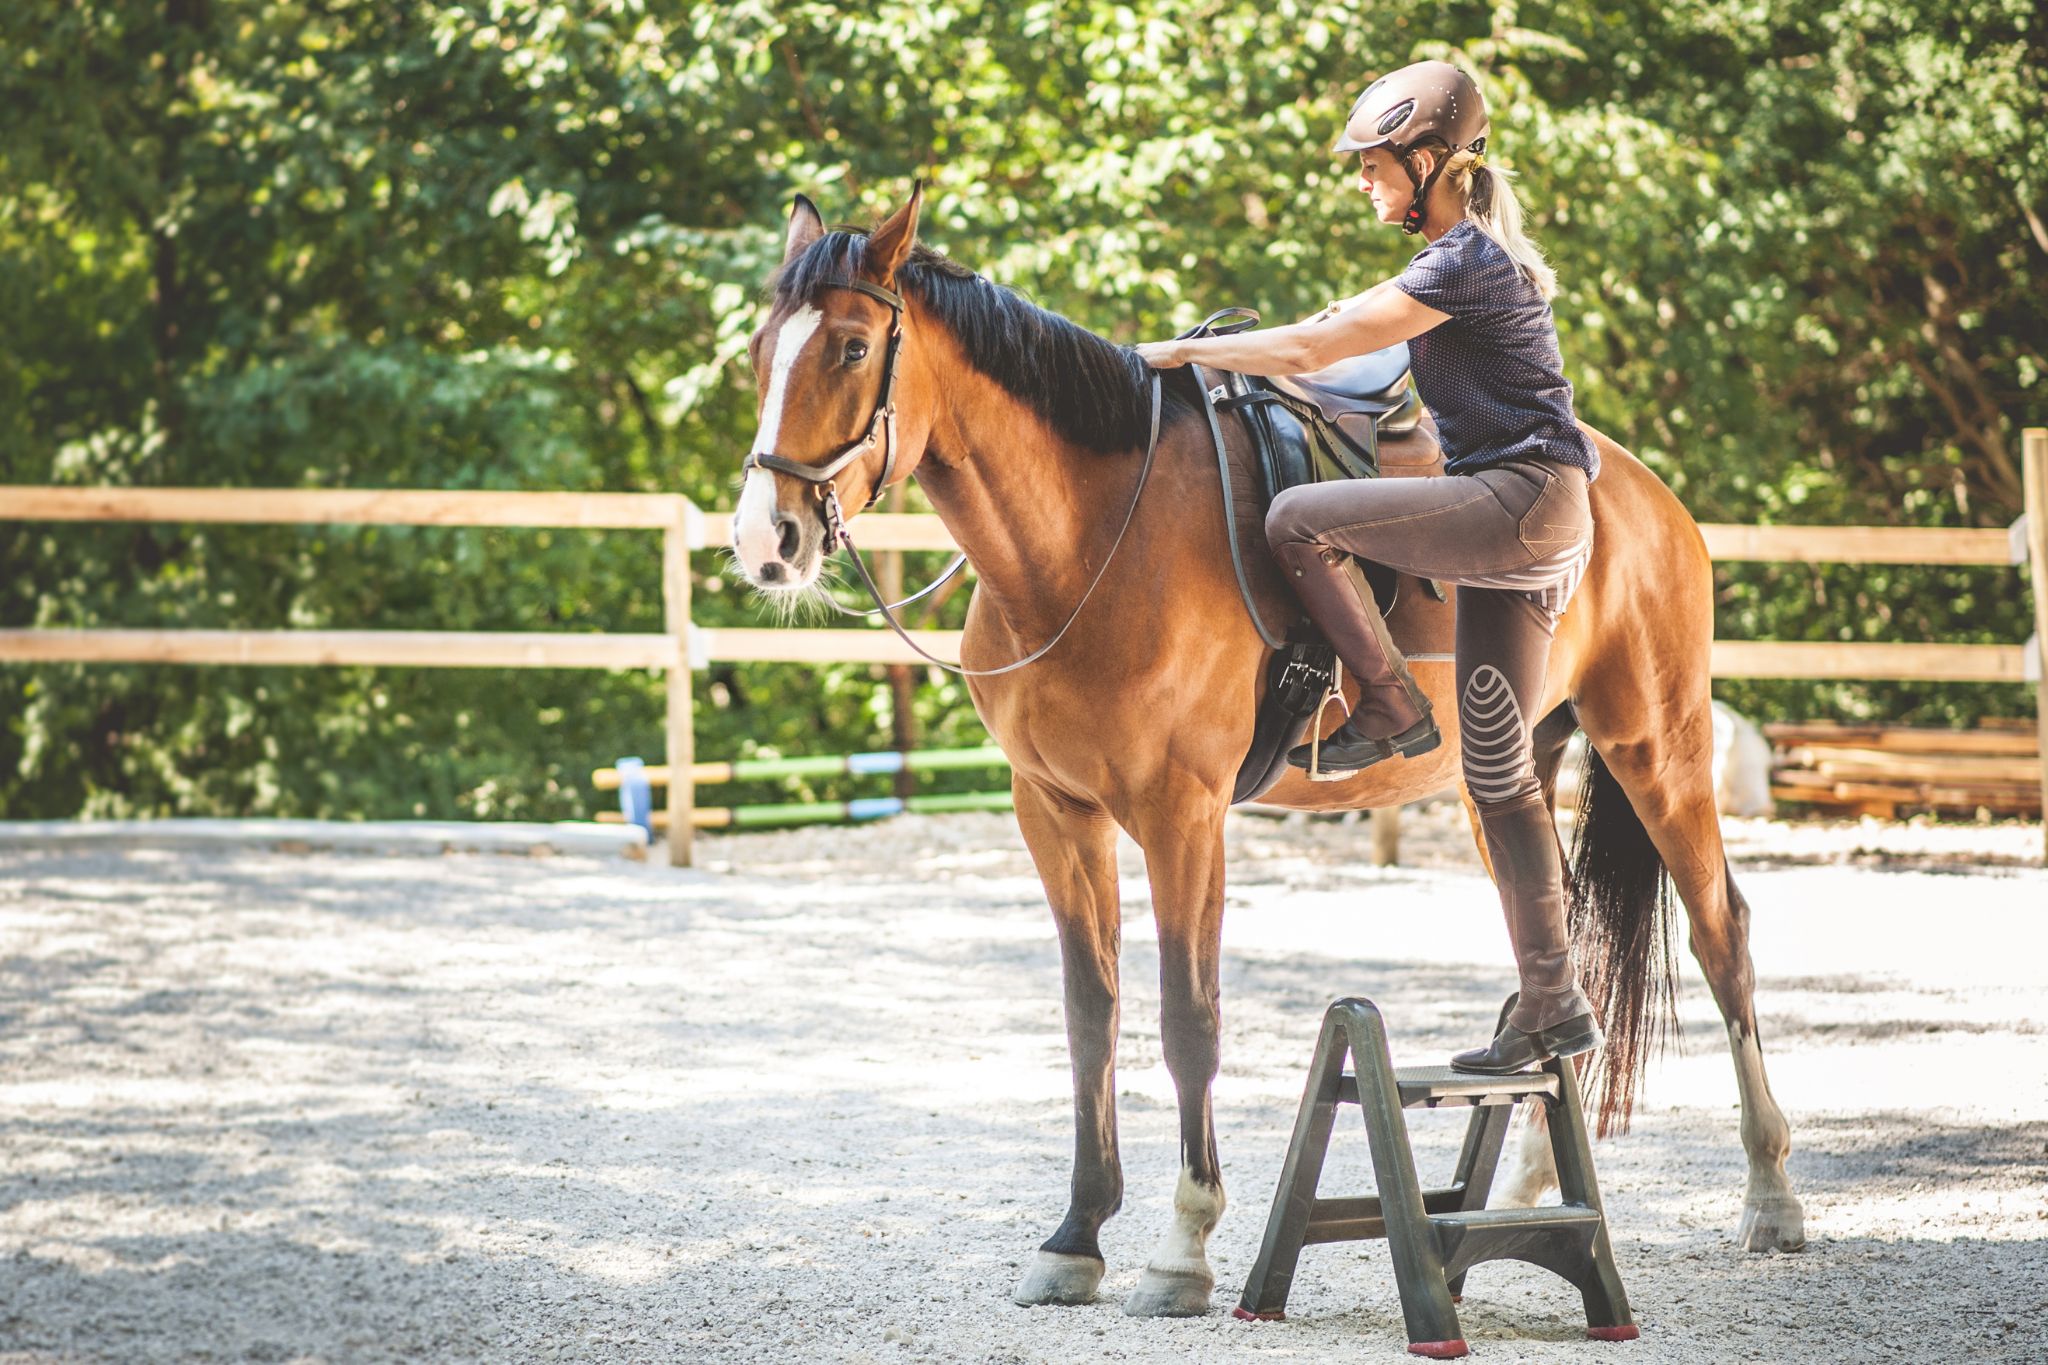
{"x":682,"y":737}
{"x":1386,"y":836}
{"x":2034,"y":471}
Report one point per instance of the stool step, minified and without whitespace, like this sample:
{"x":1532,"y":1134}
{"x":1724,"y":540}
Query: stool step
{"x":1559,"y":1239}
{"x":1427,"y":1087}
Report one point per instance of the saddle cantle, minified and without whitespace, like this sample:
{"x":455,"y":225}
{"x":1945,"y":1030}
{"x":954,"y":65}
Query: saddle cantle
{"x":1361,"y":397}
{"x":1359,"y":418}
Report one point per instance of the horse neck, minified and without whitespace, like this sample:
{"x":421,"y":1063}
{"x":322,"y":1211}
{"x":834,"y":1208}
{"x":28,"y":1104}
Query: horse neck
{"x":1034,"y":513}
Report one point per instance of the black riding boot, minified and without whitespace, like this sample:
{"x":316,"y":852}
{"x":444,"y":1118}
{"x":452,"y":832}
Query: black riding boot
{"x":1552,"y":1018}
{"x":1392,"y":716}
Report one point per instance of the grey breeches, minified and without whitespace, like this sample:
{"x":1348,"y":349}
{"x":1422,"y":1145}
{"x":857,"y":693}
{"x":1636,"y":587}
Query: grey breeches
{"x":1515,"y":539}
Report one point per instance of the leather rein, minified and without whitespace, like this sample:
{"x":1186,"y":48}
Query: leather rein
{"x":882,"y":427}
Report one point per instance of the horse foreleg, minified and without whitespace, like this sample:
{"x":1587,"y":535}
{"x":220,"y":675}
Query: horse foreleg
{"x":1184,"y":859}
{"x":1075,"y":852}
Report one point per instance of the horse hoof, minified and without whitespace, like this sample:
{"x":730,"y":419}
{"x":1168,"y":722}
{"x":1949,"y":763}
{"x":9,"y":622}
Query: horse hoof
{"x":1772,"y":1225}
{"x":1058,"y":1277}
{"x":1170,"y":1294}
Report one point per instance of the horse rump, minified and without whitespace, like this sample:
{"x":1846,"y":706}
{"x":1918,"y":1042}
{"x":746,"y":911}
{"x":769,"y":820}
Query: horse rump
{"x":1619,"y":904}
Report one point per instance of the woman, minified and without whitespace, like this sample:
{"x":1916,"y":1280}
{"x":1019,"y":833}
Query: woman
{"x":1509,"y":522}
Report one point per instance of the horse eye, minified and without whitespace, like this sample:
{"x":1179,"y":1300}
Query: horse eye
{"x":856,"y":350}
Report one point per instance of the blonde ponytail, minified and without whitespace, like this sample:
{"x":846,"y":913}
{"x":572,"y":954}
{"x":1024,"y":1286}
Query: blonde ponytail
{"x":1491,"y":204}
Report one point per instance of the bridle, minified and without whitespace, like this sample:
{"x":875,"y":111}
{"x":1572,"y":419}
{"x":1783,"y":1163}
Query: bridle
{"x":882,"y":426}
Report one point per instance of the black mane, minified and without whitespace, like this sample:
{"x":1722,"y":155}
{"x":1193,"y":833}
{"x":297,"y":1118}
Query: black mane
{"x":1091,"y":391}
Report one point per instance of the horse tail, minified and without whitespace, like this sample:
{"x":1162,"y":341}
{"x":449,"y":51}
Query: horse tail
{"x":1619,"y":904}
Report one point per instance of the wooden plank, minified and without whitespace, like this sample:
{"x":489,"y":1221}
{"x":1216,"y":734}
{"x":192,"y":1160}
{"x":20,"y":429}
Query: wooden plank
{"x":382,"y":507}
{"x":878,"y":531}
{"x":2007,"y":799}
{"x":1903,"y":740}
{"x":701,"y":817}
{"x":754,"y":645}
{"x":1921,"y":767}
{"x":871,"y":531}
{"x":1790,"y":777}
{"x":393,"y":648}
{"x":2014,"y":802}
{"x":1727,"y":541}
{"x":682,"y":718}
{"x":1860,"y":659}
{"x":2034,"y":477}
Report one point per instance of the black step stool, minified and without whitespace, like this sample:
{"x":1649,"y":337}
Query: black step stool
{"x":1435,"y":1236}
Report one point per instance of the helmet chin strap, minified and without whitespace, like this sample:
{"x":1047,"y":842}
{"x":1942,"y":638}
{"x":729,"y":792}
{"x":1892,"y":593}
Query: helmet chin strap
{"x":1411,"y":222}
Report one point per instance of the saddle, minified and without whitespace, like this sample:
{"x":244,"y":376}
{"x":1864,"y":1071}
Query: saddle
{"x":1359,"y":418}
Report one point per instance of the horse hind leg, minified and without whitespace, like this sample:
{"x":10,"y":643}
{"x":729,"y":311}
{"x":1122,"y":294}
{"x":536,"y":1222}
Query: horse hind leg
{"x":1075,"y":852}
{"x":1662,"y":757}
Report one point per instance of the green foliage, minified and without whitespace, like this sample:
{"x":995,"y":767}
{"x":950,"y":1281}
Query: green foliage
{"x":520,"y":245}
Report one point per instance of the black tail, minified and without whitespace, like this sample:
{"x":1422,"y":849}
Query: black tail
{"x":1621,"y":921}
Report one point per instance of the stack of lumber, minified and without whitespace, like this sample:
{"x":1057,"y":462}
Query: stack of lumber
{"x":1881,"y":770}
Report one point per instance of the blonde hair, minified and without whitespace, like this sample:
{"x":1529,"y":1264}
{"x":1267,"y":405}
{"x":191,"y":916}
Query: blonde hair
{"x":1491,"y":204}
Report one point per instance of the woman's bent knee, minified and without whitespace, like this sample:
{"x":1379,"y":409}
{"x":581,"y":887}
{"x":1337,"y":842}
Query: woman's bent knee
{"x":1290,"y":519}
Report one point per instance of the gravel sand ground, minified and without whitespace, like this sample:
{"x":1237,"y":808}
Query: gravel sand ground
{"x":811,"y":1103}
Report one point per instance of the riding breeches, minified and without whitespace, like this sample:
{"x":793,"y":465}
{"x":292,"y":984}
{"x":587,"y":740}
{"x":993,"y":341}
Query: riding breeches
{"x":1515,"y":539}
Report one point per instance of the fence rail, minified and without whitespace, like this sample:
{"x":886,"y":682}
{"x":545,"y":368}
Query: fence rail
{"x":684,"y":646}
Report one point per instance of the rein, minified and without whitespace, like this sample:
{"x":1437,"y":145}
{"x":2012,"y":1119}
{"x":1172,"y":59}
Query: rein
{"x":835,"y":521}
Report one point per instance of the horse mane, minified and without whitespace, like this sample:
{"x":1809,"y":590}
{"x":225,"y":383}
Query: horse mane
{"x":1093,"y":392}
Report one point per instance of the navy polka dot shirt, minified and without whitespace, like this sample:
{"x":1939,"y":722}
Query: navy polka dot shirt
{"x":1491,"y":376}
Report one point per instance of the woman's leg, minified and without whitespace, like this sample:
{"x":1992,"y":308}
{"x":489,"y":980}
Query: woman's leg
{"x":1451,"y":528}
{"x":1503,"y":650}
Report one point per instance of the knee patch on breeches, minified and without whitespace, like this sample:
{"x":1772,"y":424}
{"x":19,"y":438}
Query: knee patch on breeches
{"x":1497,"y":761}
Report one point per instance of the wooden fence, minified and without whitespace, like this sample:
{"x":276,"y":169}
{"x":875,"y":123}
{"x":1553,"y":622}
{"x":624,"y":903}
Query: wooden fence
{"x":683,"y":646}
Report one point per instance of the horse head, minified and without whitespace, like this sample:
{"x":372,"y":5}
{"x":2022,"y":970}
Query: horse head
{"x":834,"y":361}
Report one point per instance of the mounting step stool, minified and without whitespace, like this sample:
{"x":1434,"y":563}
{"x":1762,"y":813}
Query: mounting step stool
{"x":1435,"y":1236}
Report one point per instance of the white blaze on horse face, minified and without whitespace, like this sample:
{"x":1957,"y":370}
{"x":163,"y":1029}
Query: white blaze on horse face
{"x":753,"y":522}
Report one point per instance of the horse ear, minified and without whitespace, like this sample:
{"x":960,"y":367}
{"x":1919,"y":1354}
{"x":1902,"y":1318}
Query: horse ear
{"x":889,"y":246}
{"x":805,"y":227}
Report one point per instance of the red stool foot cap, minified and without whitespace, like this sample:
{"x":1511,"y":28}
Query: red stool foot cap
{"x":1625,"y":1333}
{"x":1243,"y":1314}
{"x":1440,"y":1350}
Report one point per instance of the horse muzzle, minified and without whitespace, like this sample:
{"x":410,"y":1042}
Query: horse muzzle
{"x":778,"y":548}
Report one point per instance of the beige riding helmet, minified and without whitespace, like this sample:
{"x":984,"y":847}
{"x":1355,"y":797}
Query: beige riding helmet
{"x":1400,"y":109}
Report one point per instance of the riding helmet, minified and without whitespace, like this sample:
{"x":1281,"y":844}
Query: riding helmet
{"x":1401,"y":108}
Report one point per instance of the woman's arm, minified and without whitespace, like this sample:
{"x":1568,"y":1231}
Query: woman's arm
{"x":1373,"y":320}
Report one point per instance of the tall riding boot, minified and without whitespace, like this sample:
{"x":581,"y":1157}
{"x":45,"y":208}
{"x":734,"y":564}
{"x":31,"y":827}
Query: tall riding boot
{"x":1392,"y":715}
{"x":1552,"y":1018}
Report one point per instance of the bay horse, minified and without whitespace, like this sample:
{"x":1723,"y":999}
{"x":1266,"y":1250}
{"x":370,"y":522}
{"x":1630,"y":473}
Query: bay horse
{"x":1025,"y":432}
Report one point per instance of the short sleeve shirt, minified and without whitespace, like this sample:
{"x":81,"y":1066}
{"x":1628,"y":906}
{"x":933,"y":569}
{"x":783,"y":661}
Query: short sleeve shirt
{"x":1491,"y":376}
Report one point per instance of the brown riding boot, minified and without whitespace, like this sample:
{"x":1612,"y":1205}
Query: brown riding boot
{"x":1392,"y":716}
{"x":1552,"y":1018}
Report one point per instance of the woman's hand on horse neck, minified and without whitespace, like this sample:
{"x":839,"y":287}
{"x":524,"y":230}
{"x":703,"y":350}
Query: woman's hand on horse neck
{"x":1376,"y":319}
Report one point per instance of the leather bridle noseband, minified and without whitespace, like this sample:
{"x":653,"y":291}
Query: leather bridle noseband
{"x":882,"y":426}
